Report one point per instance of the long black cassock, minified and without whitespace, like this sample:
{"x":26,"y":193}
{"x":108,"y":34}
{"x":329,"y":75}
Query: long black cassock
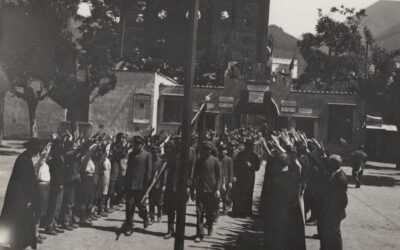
{"x":284,"y":227}
{"x":244,"y":186}
{"x":21,"y":203}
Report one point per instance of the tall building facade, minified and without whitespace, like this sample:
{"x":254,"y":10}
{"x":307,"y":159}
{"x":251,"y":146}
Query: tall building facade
{"x":159,"y":29}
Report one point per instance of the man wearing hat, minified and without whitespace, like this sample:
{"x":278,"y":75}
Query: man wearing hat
{"x":138,"y":177}
{"x":207,"y":182}
{"x":334,"y":205}
{"x":245,"y":166}
{"x":22,"y":200}
{"x":156,"y":193}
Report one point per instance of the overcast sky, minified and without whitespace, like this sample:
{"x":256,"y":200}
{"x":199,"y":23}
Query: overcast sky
{"x":299,"y":16}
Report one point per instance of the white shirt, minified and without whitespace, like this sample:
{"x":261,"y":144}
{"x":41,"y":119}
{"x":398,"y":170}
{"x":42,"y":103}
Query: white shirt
{"x":90,"y":167}
{"x":44,"y":173}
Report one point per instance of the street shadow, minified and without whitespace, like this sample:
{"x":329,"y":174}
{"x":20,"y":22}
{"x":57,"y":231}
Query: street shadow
{"x":8,"y":152}
{"x":378,"y":181}
{"x":187,"y":224}
{"x":247,"y":233}
{"x":144,"y":231}
{"x":106,"y":228}
{"x":380,"y":168}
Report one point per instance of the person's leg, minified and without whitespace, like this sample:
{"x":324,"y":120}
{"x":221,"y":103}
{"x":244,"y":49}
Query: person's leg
{"x":130,"y":209}
{"x":65,"y":215}
{"x":211,"y":205}
{"x":360,"y":175}
{"x":142,"y":208}
{"x":355,"y":177}
{"x":200,"y":219}
{"x":333,"y":234}
{"x":51,"y":211}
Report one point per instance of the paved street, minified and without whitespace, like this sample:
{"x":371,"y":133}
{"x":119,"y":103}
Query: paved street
{"x":373,"y":220}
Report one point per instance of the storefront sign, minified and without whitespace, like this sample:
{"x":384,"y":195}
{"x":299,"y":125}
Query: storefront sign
{"x":288,"y":109}
{"x":225,"y":105}
{"x":305,"y":111}
{"x":226,"y":99}
{"x":256,"y":97}
{"x":288,"y":103}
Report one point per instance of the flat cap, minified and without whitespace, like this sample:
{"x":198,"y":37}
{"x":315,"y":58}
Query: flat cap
{"x":155,"y":149}
{"x":138,"y":139}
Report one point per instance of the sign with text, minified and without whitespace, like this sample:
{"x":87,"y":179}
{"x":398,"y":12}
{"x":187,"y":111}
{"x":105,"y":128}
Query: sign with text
{"x":288,"y":103}
{"x":256,"y":97}
{"x":226,"y":99}
{"x":305,"y":111}
{"x":288,"y":109}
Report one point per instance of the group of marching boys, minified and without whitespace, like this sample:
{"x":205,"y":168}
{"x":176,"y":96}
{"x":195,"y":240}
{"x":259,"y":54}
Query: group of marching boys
{"x":77,"y":181}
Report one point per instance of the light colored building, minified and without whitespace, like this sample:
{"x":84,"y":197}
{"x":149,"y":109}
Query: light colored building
{"x":282,"y":65}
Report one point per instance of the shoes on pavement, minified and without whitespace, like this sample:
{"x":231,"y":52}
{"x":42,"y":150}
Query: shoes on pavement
{"x":159,"y":219}
{"x":210,"y":231}
{"x":85,"y":223}
{"x":129,"y":231}
{"x":59,"y":230}
{"x":198,"y":239}
{"x":50,"y":231}
{"x":169,"y":235}
{"x":74,"y":225}
{"x":42,"y":237}
{"x":68,"y":227}
{"x":39,"y":240}
{"x":146,"y":224}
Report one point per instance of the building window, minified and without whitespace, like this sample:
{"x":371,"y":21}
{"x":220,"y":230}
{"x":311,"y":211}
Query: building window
{"x":141,"y":108}
{"x":172,"y":109}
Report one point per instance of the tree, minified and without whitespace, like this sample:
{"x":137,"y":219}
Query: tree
{"x":335,"y":54}
{"x":28,"y":45}
{"x":381,"y":90}
{"x":89,"y":72}
{"x":46,"y":45}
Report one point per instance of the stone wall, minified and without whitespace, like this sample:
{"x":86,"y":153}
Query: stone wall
{"x":114,"y":111}
{"x":16,"y":119}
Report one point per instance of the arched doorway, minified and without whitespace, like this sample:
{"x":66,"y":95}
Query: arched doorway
{"x":256,"y":115}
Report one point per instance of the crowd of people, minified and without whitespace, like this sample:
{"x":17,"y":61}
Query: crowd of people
{"x":75,"y":182}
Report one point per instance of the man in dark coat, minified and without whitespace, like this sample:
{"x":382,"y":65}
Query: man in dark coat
{"x":117,"y":153}
{"x":334,"y":205}
{"x":283,"y":220}
{"x":207,"y":182}
{"x":72,"y":180}
{"x":358,"y":161}
{"x":157,"y":192}
{"x":57,"y":181}
{"x":22,"y":200}
{"x":171,"y":186}
{"x":138,"y":177}
{"x":245,"y":166}
{"x":227,"y":183}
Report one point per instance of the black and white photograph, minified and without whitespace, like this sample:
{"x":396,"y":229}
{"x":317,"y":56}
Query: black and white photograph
{"x":200,"y":124}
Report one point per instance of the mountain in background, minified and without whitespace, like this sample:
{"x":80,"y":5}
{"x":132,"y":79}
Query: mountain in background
{"x":383,"y":19}
{"x":285,"y":45}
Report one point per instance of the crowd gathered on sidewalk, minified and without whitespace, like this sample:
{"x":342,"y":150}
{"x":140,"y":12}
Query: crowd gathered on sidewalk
{"x":77,"y":181}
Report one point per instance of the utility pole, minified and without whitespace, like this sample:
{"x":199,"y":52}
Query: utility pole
{"x":186,"y":125}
